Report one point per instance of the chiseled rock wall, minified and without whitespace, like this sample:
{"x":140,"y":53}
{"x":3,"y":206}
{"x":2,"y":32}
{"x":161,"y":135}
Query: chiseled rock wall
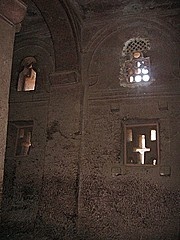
{"x":139,"y":203}
{"x":78,"y":138}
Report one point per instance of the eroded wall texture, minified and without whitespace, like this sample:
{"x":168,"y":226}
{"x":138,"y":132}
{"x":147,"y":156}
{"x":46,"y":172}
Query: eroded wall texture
{"x":118,"y":201}
{"x":74,"y":184}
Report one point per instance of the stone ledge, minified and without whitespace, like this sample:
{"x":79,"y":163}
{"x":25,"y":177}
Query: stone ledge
{"x":63,"y":78}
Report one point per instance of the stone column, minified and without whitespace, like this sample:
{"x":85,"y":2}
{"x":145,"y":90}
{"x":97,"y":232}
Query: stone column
{"x":12,"y":13}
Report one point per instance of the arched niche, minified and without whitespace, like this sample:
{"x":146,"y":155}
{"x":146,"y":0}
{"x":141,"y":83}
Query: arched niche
{"x":106,"y":59}
{"x":28,"y":75}
{"x":41,"y":61}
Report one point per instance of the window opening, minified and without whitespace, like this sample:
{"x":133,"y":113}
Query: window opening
{"x":136,"y":67}
{"x":24,"y":137}
{"x":24,"y":141}
{"x":141,"y":144}
{"x":153,"y":135}
{"x":129,"y":135}
{"x":141,"y":149}
{"x":27,"y":77}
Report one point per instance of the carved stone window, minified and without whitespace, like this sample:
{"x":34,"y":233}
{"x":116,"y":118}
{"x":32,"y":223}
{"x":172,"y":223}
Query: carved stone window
{"x":27,"y":77}
{"x":141,"y":144}
{"x":23,"y":138}
{"x":135,"y":69}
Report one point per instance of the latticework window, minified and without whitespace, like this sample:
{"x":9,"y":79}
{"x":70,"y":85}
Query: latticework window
{"x":137,"y":69}
{"x":136,"y":66}
{"x":136,"y":45}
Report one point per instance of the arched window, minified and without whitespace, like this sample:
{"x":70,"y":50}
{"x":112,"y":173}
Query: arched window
{"x":27,"y":77}
{"x":136,"y":67}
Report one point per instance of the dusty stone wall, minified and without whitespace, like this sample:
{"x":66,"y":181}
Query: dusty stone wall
{"x":66,"y":188}
{"x":139,"y":203}
{"x":6,"y":58}
{"x":24,"y":175}
{"x":8,"y":22}
{"x":58,"y":208}
{"x":41,"y":189}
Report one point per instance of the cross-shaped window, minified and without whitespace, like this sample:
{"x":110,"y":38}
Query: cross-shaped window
{"x":141,"y":143}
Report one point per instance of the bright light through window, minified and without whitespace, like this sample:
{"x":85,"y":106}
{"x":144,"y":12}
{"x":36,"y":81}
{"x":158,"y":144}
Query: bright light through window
{"x":146,"y":78}
{"x":145,"y":71}
{"x":131,"y":79}
{"x":138,"y":64}
{"x":141,"y":144}
{"x":153,"y":135}
{"x":27,"y":77}
{"x":137,"y":68}
{"x":138,"y":78}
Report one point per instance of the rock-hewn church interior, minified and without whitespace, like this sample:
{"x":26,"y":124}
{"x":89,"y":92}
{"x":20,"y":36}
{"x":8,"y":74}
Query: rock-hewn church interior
{"x":89,"y":119}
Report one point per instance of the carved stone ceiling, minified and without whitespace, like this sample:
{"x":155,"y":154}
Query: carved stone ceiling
{"x":86,"y":9}
{"x":90,"y":7}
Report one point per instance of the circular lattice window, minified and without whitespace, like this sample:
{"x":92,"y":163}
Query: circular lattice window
{"x":135,"y":45}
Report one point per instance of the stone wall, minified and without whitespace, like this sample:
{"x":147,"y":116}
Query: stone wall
{"x":8,"y":24}
{"x":75,"y":183}
{"x":138,"y":203}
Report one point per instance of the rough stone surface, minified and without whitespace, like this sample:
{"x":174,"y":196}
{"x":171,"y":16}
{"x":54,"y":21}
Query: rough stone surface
{"x":66,"y":187}
{"x":6,"y":52}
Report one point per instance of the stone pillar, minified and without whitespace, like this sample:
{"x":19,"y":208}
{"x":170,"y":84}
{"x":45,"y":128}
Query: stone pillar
{"x":12,"y":13}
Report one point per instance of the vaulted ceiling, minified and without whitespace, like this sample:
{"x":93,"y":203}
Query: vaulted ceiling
{"x":89,"y":7}
{"x":59,"y":23}
{"x":43,"y":13}
{"x":85,"y":9}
